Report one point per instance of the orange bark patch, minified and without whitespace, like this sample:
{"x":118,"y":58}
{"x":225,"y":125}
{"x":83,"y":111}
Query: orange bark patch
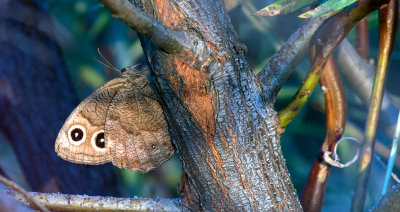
{"x":168,"y":14}
{"x":195,"y":96}
{"x":212,"y":46}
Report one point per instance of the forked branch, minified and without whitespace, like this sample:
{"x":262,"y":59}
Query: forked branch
{"x":328,"y":37}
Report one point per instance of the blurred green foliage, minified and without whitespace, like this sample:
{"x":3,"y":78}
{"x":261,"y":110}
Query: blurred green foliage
{"x":85,"y":26}
{"x":289,"y":6}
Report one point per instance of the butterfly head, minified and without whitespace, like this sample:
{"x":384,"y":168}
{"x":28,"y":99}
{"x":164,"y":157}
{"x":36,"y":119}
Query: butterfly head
{"x":131,"y":70}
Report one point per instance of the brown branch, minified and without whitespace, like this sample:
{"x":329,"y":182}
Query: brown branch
{"x":68,"y":202}
{"x":362,"y":38}
{"x":335,"y":103}
{"x":169,"y":40}
{"x":25,"y":195}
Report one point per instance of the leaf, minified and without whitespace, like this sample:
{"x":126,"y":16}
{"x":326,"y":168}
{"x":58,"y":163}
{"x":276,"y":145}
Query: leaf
{"x":329,"y":6}
{"x":283,"y":7}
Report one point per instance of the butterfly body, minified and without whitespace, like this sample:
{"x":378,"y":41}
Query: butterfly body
{"x":121,"y":122}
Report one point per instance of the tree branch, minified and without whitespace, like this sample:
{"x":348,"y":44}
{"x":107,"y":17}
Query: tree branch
{"x":326,"y":40}
{"x":169,"y":40}
{"x":68,"y":202}
{"x":284,"y":62}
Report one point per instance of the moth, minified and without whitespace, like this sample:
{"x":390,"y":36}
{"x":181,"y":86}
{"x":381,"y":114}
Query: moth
{"x":121,"y":122}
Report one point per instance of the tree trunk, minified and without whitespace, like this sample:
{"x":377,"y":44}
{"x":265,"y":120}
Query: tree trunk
{"x":227,"y":136}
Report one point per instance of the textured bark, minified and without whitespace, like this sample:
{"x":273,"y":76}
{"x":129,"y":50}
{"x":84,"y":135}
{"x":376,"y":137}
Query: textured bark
{"x":226,"y":136}
{"x":390,"y":202}
{"x":36,"y":96}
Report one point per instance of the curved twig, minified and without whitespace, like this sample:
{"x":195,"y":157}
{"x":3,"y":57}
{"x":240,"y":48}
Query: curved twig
{"x":313,"y":193}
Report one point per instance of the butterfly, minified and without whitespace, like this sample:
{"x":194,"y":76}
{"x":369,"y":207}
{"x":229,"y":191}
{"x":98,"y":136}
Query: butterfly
{"x":121,"y":122}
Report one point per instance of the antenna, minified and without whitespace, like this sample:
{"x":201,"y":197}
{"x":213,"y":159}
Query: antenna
{"x":107,"y":64}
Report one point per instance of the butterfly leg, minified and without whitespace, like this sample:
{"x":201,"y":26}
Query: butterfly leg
{"x":146,"y":95}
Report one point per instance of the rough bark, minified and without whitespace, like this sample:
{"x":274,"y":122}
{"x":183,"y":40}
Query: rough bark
{"x":36,"y":96}
{"x":389,"y":202}
{"x":226,"y":135}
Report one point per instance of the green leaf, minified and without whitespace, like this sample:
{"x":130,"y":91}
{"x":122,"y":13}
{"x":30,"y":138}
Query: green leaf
{"x":284,"y":7}
{"x":330,"y":6}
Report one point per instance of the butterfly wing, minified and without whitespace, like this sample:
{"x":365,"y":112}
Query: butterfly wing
{"x":81,"y":139}
{"x":137,"y":131}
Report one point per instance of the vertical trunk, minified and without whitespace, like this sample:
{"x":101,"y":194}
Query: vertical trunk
{"x":226,"y":135}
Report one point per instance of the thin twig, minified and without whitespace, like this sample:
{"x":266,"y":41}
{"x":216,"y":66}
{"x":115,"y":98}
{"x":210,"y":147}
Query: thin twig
{"x":11,"y":185}
{"x":68,"y":202}
{"x":169,"y":40}
{"x":387,"y":19}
